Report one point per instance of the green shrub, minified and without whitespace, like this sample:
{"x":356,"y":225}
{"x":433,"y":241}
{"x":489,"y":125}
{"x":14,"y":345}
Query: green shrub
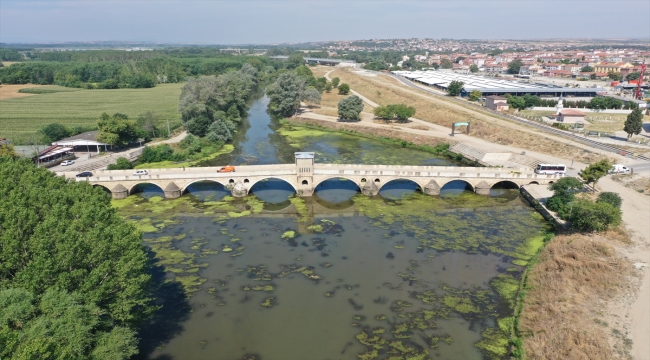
{"x":587,"y":215}
{"x":611,"y":198}
{"x":122,"y":163}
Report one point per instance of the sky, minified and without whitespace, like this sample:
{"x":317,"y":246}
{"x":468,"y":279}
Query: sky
{"x":285,"y":21}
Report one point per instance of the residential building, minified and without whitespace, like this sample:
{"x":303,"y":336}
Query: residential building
{"x":497,"y":103}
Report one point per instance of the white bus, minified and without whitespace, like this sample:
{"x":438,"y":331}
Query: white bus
{"x":550,"y":169}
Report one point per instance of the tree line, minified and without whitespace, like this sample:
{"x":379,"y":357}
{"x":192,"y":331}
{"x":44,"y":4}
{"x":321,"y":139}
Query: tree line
{"x":125,"y":73}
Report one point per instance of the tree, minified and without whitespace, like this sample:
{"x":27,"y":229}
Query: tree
{"x":514,"y":66}
{"x":592,"y":173}
{"x":587,"y":69}
{"x":590,"y":216}
{"x":517,"y":102}
{"x":474,"y":95}
{"x":611,"y":198}
{"x":58,"y":325}
{"x":473,"y":68}
{"x":121,"y":163}
{"x":294,"y":61}
{"x":634,"y":123}
{"x":328,"y":87}
{"x":218,"y":131}
{"x":311,"y":96}
{"x":285,"y":94}
{"x":402,"y":112}
{"x":8,"y":150}
{"x":435,"y":65}
{"x":117,"y":129}
{"x":190,"y":143}
{"x":633,"y":76}
{"x":350,"y":107}
{"x":593,"y":76}
{"x":198,"y":126}
{"x":614,"y":76}
{"x":344,"y":89}
{"x":335,"y":82}
{"x":563,"y":193}
{"x":455,"y":87}
{"x":384,"y":112}
{"x":66,"y":245}
{"x":54,"y":132}
{"x":446,"y":64}
{"x":148,"y":121}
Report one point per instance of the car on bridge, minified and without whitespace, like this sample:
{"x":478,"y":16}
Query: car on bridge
{"x":140,"y":173}
{"x":227,"y":168}
{"x":85,"y":174}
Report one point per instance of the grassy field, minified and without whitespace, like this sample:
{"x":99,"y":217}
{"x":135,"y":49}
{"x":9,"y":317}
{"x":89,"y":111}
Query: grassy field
{"x":21,"y":117}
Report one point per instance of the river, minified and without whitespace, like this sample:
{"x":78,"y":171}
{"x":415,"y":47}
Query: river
{"x":335,"y":276}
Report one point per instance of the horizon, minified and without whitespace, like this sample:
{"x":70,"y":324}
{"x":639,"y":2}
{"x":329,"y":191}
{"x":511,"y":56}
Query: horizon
{"x":255,"y":22}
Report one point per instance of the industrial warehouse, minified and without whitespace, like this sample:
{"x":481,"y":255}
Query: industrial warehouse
{"x":494,"y":86}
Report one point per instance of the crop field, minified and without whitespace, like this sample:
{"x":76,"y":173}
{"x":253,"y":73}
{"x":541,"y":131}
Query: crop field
{"x":22,"y":117}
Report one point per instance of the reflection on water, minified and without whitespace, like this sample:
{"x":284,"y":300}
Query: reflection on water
{"x":336,"y":191}
{"x":207,"y":191}
{"x":147,"y":190}
{"x":273,"y":191}
{"x":397,"y":189}
{"x":455,"y":188}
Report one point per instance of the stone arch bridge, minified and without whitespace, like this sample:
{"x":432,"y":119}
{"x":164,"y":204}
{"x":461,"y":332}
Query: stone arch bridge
{"x":305,"y":175}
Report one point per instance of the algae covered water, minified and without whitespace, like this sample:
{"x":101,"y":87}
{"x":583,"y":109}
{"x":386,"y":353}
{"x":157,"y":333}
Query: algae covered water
{"x":336,"y":276}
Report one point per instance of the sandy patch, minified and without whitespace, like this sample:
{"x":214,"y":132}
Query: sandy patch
{"x":11,"y":91}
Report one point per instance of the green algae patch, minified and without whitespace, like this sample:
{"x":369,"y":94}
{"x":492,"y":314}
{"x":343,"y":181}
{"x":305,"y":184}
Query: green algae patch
{"x":288,"y":235}
{"x":507,"y":287}
{"x":145,"y":225}
{"x":494,"y":343}
{"x":315,"y":228}
{"x":460,"y":304}
{"x":268,"y":302}
{"x":235,"y":215}
{"x":191,"y":283}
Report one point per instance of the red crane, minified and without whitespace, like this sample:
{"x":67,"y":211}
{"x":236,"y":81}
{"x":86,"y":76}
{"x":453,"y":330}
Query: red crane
{"x":638,"y":94}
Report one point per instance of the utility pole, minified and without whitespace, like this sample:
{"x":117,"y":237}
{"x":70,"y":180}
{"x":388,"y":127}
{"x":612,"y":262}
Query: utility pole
{"x":168,"y":131}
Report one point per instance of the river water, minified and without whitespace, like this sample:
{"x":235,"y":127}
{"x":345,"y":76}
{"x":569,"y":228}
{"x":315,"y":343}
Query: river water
{"x":335,"y":276}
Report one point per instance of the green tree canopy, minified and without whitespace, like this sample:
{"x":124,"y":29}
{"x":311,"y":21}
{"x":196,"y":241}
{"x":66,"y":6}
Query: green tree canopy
{"x":455,"y":87}
{"x":633,"y":76}
{"x":473,"y":68}
{"x":634,"y":123}
{"x":517,"y":102}
{"x":474,"y":95}
{"x":72,"y":271}
{"x":402,"y":112}
{"x":54,"y":132}
{"x":294,"y":61}
{"x":350,"y":108}
{"x":147,"y":122}
{"x":564,"y":191}
{"x":121,"y":163}
{"x":311,"y":96}
{"x":514,"y":66}
{"x":592,"y":173}
{"x":344,"y":89}
{"x":611,"y":198}
{"x":117,"y":129}
{"x":335,"y":82}
{"x":328,"y":87}
{"x":587,"y":69}
{"x":590,"y":216}
{"x":285,"y":94}
{"x":446,"y":64}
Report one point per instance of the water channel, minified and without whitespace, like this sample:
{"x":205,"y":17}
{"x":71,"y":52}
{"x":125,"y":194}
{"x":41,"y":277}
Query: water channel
{"x":335,"y":276}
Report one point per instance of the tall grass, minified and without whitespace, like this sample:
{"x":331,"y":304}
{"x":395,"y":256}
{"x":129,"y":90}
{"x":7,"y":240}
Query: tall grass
{"x":22,"y":117}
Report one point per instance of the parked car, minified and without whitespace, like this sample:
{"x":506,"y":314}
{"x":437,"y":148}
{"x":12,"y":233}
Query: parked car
{"x":619,"y":169}
{"x":227,"y":168}
{"x":140,"y":173}
{"x":85,"y":174}
{"x":67,"y":162}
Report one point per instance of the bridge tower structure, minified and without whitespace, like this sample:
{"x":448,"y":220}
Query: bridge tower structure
{"x":305,"y":173}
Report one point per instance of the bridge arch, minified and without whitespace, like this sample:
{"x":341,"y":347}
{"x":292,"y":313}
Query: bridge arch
{"x":456,"y":183}
{"x":386,"y":182}
{"x":133,"y":188}
{"x":108,"y":191}
{"x":293,"y":186}
{"x":199,"y":180}
{"x":355,"y":182}
{"x":505,"y":184}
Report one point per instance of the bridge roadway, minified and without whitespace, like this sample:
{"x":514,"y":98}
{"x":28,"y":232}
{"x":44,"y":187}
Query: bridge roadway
{"x":304,"y":176}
